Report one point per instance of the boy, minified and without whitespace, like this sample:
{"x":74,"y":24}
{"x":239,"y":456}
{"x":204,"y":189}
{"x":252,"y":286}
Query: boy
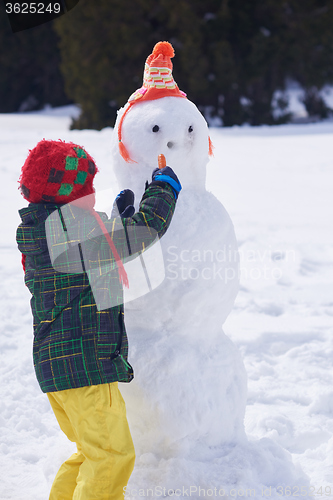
{"x":80,"y":352}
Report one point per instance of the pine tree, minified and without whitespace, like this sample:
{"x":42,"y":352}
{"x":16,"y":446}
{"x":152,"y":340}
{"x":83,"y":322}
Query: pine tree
{"x":103,"y":46}
{"x":29,"y":68}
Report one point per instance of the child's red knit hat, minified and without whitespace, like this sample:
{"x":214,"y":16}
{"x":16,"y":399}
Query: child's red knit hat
{"x":57,"y":172}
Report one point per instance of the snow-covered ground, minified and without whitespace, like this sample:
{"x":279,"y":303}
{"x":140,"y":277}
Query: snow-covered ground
{"x":276,"y":183}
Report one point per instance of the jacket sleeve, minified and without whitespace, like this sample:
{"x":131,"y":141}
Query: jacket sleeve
{"x":131,"y":235}
{"x":153,"y":218}
{"x":89,"y":249}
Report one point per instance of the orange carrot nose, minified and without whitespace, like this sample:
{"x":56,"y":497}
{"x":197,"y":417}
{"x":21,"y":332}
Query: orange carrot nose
{"x":161,"y":161}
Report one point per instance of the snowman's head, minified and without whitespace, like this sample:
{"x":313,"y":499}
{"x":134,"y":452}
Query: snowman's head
{"x":172,"y":126}
{"x":159,"y":119}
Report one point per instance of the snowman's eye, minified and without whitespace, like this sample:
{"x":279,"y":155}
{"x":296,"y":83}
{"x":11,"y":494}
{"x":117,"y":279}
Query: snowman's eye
{"x":190,"y":129}
{"x":156,"y":128}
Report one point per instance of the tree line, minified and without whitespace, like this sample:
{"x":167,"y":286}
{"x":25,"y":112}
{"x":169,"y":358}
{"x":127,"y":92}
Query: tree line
{"x":231,"y":56}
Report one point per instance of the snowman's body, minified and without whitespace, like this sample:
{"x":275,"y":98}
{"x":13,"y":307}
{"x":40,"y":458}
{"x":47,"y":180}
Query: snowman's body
{"x":189,"y":390}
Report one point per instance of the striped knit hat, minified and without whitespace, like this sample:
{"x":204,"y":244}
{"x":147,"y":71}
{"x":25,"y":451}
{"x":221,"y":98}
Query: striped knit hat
{"x":57,"y":172}
{"x":157,"y":82}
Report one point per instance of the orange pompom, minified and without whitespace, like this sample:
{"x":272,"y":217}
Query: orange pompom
{"x":211,"y":147}
{"x":164,"y":49}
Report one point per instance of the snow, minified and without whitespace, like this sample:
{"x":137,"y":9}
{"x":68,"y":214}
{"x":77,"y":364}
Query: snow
{"x":275,"y":183}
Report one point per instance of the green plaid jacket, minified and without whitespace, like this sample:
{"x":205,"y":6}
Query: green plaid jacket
{"x":75,"y":344}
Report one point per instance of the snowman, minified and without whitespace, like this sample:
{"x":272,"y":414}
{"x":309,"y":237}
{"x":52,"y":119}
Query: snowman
{"x":189,"y":390}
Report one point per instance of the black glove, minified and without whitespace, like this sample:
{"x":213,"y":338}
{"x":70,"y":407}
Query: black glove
{"x":166,"y":174}
{"x":125,"y":202}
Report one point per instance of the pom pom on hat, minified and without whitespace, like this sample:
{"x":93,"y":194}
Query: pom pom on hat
{"x":57,"y":172}
{"x":163,"y":48}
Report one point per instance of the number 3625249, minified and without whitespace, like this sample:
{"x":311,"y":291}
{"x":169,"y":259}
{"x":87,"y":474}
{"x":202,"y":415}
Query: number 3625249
{"x":32,"y":8}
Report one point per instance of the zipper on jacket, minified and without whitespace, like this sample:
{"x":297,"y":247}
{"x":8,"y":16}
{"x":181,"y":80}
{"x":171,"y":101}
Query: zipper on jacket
{"x":116,"y":353}
{"x":79,"y":244}
{"x":62,"y":221}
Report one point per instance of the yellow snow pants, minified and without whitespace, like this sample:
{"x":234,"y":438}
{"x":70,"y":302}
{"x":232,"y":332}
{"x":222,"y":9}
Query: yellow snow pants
{"x":95,"y":419}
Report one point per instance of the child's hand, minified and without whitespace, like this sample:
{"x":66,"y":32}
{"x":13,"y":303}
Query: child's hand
{"x":125,"y":202}
{"x":166,"y":174}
